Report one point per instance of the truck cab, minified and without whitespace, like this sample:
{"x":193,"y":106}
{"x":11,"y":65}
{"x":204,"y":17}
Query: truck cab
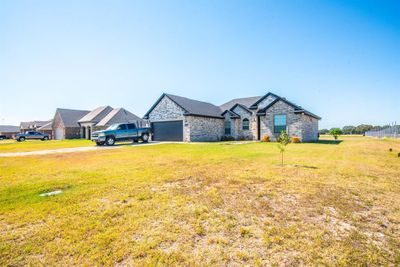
{"x":121,"y":132}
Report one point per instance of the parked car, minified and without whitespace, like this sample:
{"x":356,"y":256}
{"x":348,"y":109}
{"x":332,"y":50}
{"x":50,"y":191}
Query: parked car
{"x":31,"y":135}
{"x":121,"y":132}
{"x":3,"y":137}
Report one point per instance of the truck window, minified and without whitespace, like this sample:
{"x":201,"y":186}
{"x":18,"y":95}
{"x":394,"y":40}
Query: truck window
{"x":131,"y":126}
{"x":121,"y":127}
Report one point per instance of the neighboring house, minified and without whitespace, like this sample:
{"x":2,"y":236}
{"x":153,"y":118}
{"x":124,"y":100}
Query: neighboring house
{"x":89,"y":121}
{"x":9,"y":131}
{"x":32,"y":125}
{"x":178,"y":118}
{"x":65,"y":123}
{"x":102,"y":117}
{"x":119,"y":115}
{"x":47,"y":129}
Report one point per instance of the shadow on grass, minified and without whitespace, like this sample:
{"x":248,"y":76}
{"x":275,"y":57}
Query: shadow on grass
{"x":305,"y":166}
{"x":328,"y":142}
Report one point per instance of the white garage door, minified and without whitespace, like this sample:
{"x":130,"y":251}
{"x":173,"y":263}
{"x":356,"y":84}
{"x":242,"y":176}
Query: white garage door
{"x":59,"y":134}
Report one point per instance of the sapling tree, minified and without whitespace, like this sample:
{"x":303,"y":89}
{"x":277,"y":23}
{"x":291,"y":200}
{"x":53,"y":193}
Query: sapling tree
{"x":335,"y":132}
{"x":283,"y":141}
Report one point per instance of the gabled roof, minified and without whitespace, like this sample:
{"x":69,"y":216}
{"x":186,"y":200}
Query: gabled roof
{"x":70,"y":117}
{"x":96,"y":115}
{"x":232,"y":113}
{"x":47,"y":126}
{"x":191,"y":107}
{"x":246,"y":101}
{"x":255,"y":104}
{"x":297,"y":109}
{"x":242,"y":106}
{"x":118,"y":115}
{"x":9,"y":129}
{"x":33,"y":124}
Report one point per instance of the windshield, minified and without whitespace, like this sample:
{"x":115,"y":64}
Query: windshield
{"x":113,"y":127}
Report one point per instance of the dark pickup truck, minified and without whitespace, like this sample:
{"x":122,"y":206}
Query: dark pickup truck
{"x":121,"y":132}
{"x":31,"y":135}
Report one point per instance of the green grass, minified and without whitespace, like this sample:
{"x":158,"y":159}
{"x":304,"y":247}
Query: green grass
{"x":33,"y":145}
{"x":205,"y":204}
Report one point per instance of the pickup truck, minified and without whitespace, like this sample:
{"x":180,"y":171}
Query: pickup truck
{"x":31,"y":135}
{"x":121,"y":132}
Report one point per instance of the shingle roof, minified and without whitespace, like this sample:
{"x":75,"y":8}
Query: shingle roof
{"x":9,"y":129}
{"x":195,"y":107}
{"x":191,"y":106}
{"x":96,"y":115}
{"x":245,"y":101}
{"x":297,"y":109}
{"x":70,"y":117}
{"x":31,"y":124}
{"x":118,"y":115}
{"x":47,"y":126}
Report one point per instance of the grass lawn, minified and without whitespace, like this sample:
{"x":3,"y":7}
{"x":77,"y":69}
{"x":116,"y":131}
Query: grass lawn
{"x":32,"y":145}
{"x":204,"y":204}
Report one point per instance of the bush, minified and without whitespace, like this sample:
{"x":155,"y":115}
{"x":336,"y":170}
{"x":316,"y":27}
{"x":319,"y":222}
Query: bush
{"x":265,"y":138}
{"x":227,"y":138}
{"x":296,"y":139}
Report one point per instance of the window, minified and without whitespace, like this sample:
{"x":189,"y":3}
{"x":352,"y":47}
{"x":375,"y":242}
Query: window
{"x":131,"y":126}
{"x":122,"y":127}
{"x":228,"y":127}
{"x":279,"y":123}
{"x":245,"y":124}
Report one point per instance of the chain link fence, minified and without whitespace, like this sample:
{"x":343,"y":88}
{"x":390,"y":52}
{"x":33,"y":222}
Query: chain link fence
{"x":391,"y":131}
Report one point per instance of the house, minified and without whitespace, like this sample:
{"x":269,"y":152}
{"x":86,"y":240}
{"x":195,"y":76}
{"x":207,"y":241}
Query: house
{"x":65,"y":123}
{"x":119,"y":115}
{"x":32,"y":125}
{"x":9,"y":131}
{"x":102,"y":117}
{"x":177,"y":118}
{"x":89,"y":121}
{"x":47,"y":129}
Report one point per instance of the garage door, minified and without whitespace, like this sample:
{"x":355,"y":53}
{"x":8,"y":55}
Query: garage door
{"x":167,"y":131}
{"x":59,"y":134}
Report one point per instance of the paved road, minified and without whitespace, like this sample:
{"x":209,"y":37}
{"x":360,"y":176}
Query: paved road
{"x":74,"y":149}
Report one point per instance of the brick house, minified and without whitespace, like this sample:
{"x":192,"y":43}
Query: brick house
{"x":178,"y":118}
{"x":9,"y":131}
{"x":65,"y":123}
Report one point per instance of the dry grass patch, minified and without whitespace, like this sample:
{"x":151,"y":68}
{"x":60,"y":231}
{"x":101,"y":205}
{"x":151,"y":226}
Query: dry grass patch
{"x":209,"y":204}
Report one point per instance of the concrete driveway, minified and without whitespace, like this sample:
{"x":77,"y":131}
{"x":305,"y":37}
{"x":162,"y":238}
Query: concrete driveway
{"x":76,"y":149}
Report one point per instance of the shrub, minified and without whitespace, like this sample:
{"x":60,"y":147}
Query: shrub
{"x":296,"y":139}
{"x":265,"y":138}
{"x":335,"y":132}
{"x":227,"y":138}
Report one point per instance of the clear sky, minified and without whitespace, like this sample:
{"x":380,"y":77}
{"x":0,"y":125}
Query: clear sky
{"x":339,"y":59}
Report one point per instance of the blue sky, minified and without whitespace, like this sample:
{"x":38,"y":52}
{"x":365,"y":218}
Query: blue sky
{"x":339,"y":59}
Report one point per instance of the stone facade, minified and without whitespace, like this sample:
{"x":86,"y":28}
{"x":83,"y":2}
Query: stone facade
{"x":301,"y":125}
{"x":251,"y":133}
{"x":166,"y":110}
{"x":265,"y":102}
{"x":200,"y":129}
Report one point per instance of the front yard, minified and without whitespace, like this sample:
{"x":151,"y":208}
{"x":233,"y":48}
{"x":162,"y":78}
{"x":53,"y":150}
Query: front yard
{"x":10,"y":145}
{"x":204,"y":204}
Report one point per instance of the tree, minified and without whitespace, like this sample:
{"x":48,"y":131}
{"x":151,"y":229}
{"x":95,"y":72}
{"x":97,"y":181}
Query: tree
{"x":335,"y":132}
{"x":323,"y":131}
{"x":349,"y":129}
{"x":283,"y":141}
{"x":362,"y":128}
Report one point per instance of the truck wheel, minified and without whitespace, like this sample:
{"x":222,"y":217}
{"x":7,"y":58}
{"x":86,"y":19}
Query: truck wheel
{"x":110,"y":141}
{"x":145,"y":138}
{"x":45,"y":138}
{"x":21,"y":139}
